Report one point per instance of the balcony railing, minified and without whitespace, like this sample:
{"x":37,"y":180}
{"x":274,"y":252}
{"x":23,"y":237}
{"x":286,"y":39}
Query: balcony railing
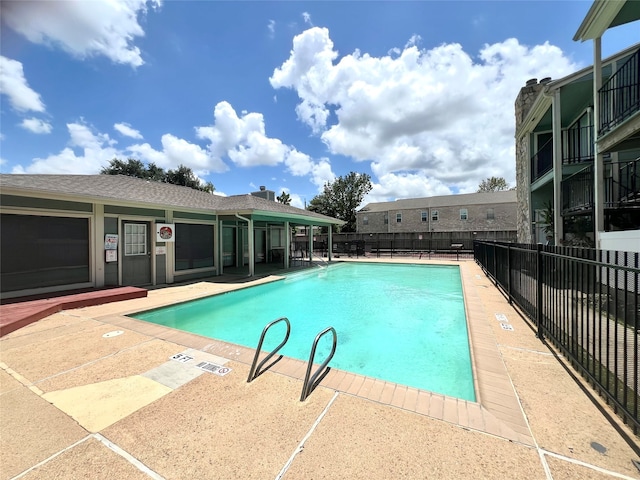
{"x":577,"y":192}
{"x":619,"y":96}
{"x":623,"y":190}
{"x":542,"y":161}
{"x":577,"y":145}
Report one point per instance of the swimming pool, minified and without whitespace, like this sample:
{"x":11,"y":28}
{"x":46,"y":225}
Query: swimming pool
{"x":400,"y":323}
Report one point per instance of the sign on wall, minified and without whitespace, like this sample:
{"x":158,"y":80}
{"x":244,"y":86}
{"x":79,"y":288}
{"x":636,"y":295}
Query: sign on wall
{"x":111,"y":256}
{"x":111,"y":241}
{"x":165,"y":232}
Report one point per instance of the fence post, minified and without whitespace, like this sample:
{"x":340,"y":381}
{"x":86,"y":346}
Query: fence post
{"x":509,"y":273}
{"x":495,"y":263}
{"x":540,"y":334}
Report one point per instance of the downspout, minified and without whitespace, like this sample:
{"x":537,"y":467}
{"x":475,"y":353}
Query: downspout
{"x":251,"y":246}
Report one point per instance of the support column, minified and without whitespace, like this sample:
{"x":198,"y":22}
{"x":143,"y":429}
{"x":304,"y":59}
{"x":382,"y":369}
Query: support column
{"x":310,"y":239}
{"x":170,"y":257}
{"x":556,"y":113}
{"x":598,"y":163}
{"x":252,"y":253}
{"x":287,"y":244}
{"x":99,"y":260}
{"x":329,"y":243}
{"x":219,"y":249}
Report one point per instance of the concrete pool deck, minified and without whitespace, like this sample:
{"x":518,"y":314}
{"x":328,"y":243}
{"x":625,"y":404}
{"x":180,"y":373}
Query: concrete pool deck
{"x":78,"y":401}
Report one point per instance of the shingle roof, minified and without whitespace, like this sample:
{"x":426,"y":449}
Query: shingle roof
{"x":120,"y":188}
{"x":507,"y":196}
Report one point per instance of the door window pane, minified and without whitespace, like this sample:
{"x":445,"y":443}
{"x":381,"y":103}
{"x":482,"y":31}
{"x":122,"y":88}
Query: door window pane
{"x":135,"y":239}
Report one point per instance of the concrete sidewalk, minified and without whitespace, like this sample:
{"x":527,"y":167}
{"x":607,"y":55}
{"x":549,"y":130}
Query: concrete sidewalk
{"x":90,"y":393}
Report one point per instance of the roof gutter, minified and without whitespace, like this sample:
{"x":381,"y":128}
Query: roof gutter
{"x":598,"y":19}
{"x":242,"y":218}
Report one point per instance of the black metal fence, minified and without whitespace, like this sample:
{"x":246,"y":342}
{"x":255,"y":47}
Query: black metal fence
{"x":400,"y":244}
{"x":586,"y":302}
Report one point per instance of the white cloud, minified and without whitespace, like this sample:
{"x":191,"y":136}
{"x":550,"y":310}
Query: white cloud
{"x":176,"y":151}
{"x":244,"y":141}
{"x":36,"y":125}
{"x":14,"y":85}
{"x":87,"y":153}
{"x":311,"y":59}
{"x":82,"y":28}
{"x":306,"y":17}
{"x":429,"y":121}
{"x":126,"y":130}
{"x":411,"y":186}
{"x":271,"y":26}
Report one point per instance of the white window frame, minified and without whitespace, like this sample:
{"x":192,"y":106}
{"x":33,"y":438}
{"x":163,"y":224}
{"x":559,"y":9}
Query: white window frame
{"x":464,"y":214}
{"x":132,"y":245}
{"x":398,"y":217}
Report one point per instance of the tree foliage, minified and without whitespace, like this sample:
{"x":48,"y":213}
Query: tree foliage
{"x":493,"y":184}
{"x":341,"y":197}
{"x":284,"y":198}
{"x":135,"y":168}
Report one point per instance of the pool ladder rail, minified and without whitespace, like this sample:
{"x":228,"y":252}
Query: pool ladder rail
{"x":310,"y":381}
{"x":257,"y":370}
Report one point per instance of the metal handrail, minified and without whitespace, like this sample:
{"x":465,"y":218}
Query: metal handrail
{"x":256,"y":369}
{"x":619,"y":96}
{"x":311,"y":383}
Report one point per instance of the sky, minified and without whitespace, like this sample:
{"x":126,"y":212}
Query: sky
{"x":287,"y":95}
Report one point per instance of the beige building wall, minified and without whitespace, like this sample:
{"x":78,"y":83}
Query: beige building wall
{"x":448,"y":219}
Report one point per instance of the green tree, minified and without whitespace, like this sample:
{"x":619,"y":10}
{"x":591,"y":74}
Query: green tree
{"x":155,"y":173}
{"x":135,"y":168}
{"x":184,"y":176}
{"x":130,"y":168}
{"x":340,"y":198}
{"x":284,"y":198}
{"x":493,"y":184}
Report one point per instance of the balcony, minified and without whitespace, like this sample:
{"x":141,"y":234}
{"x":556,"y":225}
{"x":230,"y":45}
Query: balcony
{"x":577,"y":145}
{"x":542,"y":161}
{"x":577,"y":192}
{"x":622,"y":190}
{"x":619,"y":97}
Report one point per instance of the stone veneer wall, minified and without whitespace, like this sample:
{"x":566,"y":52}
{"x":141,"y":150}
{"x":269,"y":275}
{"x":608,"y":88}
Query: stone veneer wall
{"x":524,"y":101}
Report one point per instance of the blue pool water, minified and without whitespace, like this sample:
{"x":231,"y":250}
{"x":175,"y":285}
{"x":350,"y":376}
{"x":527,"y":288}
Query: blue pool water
{"x":400,"y":323}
